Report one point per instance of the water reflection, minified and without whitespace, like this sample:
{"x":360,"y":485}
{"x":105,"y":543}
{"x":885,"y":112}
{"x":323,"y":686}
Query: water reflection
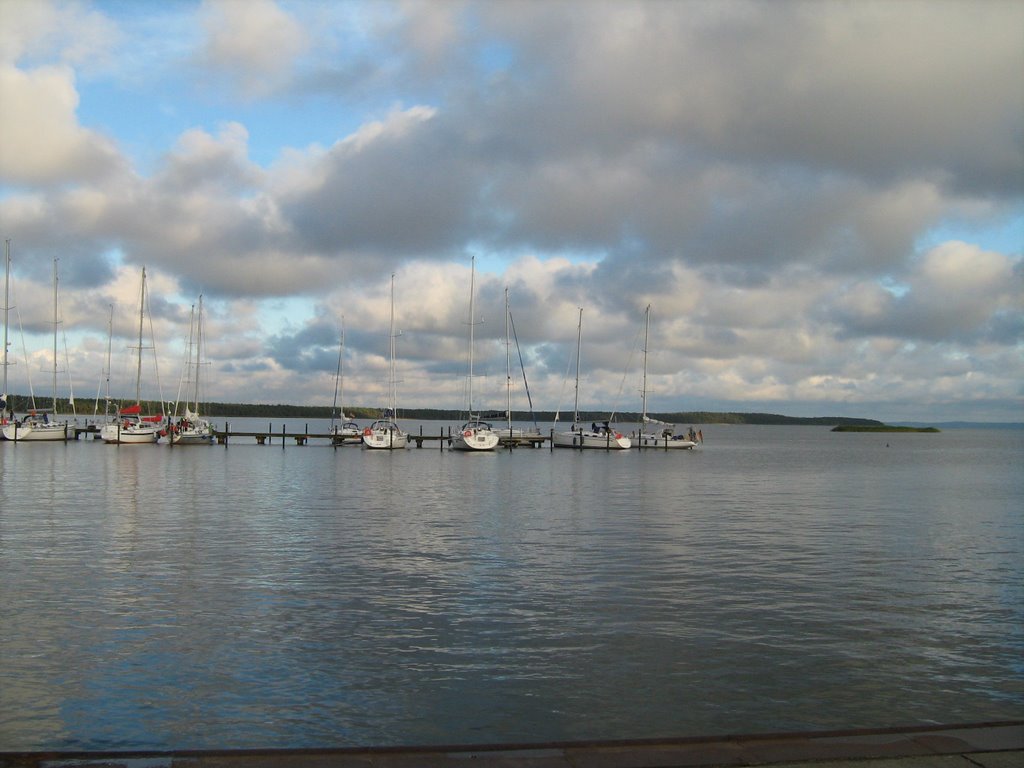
{"x":258,"y":596}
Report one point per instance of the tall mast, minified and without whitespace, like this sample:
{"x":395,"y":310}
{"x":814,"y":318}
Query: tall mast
{"x":7,"y":306}
{"x":576,"y":400}
{"x":392,"y":384}
{"x":643,"y":392}
{"x":199,"y":351}
{"x":337,"y":377}
{"x":508,"y":367}
{"x":142,"y":309}
{"x":55,"y":338}
{"x":110,"y":342}
{"x":189,"y":350}
{"x":341,"y":371}
{"x":472,"y":276}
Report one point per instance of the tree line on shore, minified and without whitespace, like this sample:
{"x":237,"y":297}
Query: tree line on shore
{"x":21,"y":404}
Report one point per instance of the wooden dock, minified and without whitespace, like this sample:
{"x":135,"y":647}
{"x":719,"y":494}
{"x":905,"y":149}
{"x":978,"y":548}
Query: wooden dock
{"x":442,"y":438}
{"x":269,"y":435}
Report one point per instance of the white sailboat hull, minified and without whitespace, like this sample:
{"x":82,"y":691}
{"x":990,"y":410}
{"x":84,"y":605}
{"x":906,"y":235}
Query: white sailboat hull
{"x":346,"y":435}
{"x":130,"y":435}
{"x":474,"y":440}
{"x":387,"y":438}
{"x":579,"y":439}
{"x":670,"y":442}
{"x":193,"y":437}
{"x":36,"y":432}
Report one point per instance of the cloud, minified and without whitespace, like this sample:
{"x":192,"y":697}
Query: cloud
{"x":873,"y":90}
{"x":955,"y":291}
{"x":765,"y":176}
{"x":74,"y":33}
{"x":44,"y":144}
{"x":395,"y":188}
{"x":252,"y":44}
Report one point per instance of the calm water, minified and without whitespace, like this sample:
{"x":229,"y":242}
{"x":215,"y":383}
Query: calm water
{"x":781,"y":578}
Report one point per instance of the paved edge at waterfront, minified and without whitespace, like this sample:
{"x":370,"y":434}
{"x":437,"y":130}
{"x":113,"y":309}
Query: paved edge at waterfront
{"x":975,"y":745}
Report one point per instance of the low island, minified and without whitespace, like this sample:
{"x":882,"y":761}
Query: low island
{"x":881,"y":428}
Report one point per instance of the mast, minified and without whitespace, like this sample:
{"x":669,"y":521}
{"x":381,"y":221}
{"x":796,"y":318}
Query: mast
{"x":392,"y":384}
{"x":341,"y":371}
{"x":472,"y":276}
{"x":110,"y":342}
{"x":576,"y":399}
{"x":7,"y":307}
{"x":522,"y":367}
{"x":138,"y":371}
{"x":508,"y":368}
{"x":54,"y":338}
{"x":337,"y":377}
{"x":199,"y":351}
{"x":643,"y":392}
{"x":189,"y":348}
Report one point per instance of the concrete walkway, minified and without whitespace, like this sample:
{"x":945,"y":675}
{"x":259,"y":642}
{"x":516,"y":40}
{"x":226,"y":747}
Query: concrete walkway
{"x":984,"y":745}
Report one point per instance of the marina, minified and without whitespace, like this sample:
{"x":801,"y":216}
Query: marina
{"x":284,"y":435}
{"x":268,"y":436}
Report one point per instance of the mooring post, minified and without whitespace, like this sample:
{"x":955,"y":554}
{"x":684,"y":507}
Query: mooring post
{"x":282,"y":436}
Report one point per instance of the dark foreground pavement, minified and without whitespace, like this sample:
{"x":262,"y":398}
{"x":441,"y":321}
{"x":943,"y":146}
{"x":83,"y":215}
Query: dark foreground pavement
{"x":981,"y":745}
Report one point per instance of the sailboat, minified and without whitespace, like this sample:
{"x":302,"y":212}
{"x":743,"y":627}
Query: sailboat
{"x":38,"y":424}
{"x":599,"y":435}
{"x":129,"y":426}
{"x":192,"y":428}
{"x":347,"y":432}
{"x":474,"y":435}
{"x":385,"y":433}
{"x":665,"y":436}
{"x":510,"y":433}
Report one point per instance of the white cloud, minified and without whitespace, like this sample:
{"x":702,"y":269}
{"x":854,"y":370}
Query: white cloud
{"x":41,"y":141}
{"x":955,"y":291}
{"x":254,"y":44}
{"x":71,"y":31}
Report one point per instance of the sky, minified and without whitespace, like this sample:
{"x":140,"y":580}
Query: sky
{"x":822,"y":202}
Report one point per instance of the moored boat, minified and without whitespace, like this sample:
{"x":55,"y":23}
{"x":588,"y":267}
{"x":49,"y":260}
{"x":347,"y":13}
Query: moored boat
{"x":384,"y":433}
{"x":599,"y":435}
{"x":129,"y":426}
{"x":192,"y":428}
{"x":36,"y":426}
{"x":474,"y":434}
{"x":663,"y":435}
{"x":509,"y":434}
{"x":347,"y":432}
{"x":39,"y":425}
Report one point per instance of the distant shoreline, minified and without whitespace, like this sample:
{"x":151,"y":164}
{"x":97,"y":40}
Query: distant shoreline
{"x":20,"y":404}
